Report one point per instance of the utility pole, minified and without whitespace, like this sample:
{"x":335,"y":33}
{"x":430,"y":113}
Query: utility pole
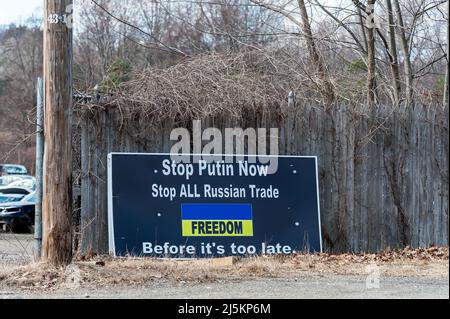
{"x":39,"y":166}
{"x":57,"y":189}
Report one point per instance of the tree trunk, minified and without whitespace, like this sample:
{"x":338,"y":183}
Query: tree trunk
{"x":363,"y":29}
{"x":57,"y":191}
{"x":406,"y":55}
{"x":393,"y":55}
{"x":446,"y":95}
{"x":371,"y":85}
{"x":328,"y":90}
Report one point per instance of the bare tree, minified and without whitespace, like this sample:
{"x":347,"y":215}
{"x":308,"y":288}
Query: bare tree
{"x":326,"y":88}
{"x":396,"y":86}
{"x":153,"y":32}
{"x":445,"y":99}
{"x":371,"y":77}
{"x":20,"y":64}
{"x":316,"y":58}
{"x":406,"y":53}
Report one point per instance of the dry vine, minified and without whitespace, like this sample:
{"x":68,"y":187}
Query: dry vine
{"x":230,"y":84}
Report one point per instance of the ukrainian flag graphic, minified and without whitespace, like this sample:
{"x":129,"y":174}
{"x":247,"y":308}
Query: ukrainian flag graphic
{"x":221,"y":220}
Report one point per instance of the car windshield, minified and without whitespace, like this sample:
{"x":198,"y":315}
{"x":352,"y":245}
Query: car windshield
{"x":10,"y":198}
{"x":14,"y":169}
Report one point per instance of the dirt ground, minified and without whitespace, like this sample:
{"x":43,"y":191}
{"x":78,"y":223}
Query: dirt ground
{"x":418,"y":273}
{"x":15,"y":249}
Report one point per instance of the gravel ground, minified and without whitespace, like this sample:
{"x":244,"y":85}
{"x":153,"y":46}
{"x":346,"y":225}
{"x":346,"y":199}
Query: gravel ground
{"x":427,"y":279}
{"x":314,"y":287}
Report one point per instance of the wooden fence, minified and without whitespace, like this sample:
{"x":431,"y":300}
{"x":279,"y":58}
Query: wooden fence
{"x":383,"y":173}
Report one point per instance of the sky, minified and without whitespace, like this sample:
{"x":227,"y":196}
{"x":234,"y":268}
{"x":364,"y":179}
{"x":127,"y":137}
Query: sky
{"x":19,"y":10}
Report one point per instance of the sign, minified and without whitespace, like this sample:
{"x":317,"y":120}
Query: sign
{"x":161,"y":207}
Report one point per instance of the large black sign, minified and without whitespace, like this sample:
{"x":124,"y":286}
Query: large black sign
{"x":162,"y":207}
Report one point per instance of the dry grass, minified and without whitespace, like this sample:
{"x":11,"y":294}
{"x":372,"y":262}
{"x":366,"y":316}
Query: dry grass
{"x":108,"y":272}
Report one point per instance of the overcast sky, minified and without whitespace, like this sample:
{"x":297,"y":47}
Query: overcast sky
{"x":19,"y":10}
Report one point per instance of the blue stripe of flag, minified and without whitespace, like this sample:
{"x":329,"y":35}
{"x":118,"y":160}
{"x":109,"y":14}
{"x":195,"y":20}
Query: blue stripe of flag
{"x":216,"y":211}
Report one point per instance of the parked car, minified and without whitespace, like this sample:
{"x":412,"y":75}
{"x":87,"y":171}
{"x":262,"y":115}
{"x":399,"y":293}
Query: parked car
{"x":18,"y":216}
{"x":25,"y":183}
{"x":8,"y":180}
{"x":7,"y":198}
{"x":12,"y":169}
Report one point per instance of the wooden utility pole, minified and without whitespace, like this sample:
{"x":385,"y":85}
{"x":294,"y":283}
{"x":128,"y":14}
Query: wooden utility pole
{"x":57,"y":190}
